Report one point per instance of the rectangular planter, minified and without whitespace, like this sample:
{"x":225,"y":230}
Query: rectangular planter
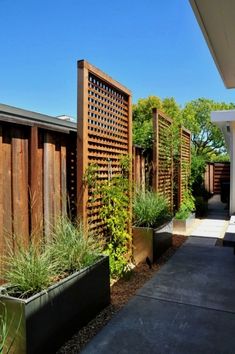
{"x":151,"y":243}
{"x":183,"y":226}
{"x":142,"y":241}
{"x":46,"y":320}
{"x":162,"y":239}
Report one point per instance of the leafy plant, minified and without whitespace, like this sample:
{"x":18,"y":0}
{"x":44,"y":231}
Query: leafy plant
{"x":187,"y":206}
{"x":28,"y":270}
{"x":150,"y":209}
{"x":115,"y":213}
{"x":70,"y":248}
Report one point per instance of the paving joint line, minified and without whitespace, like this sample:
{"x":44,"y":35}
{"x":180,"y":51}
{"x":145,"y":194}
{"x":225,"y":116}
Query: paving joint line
{"x":184,"y":303}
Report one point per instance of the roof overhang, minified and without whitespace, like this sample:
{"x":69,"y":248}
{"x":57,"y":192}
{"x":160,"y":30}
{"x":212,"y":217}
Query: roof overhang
{"x":217,"y":21}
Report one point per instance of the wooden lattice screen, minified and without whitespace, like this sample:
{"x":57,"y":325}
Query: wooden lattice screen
{"x":184,"y":163}
{"x":163,"y":156}
{"x":104,"y":133}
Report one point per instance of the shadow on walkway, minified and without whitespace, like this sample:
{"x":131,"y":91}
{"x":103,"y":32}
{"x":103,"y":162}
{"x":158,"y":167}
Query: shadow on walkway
{"x":187,"y":307}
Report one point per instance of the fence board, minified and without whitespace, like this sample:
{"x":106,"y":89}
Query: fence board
{"x":184,"y":163}
{"x":163,"y":156}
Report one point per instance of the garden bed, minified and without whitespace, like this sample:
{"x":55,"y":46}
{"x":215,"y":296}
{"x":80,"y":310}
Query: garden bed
{"x":121,"y":292}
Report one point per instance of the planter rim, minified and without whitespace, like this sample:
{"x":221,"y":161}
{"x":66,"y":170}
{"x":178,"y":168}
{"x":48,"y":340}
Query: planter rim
{"x":188,"y":218}
{"x":101,"y":259}
{"x":153,"y":228}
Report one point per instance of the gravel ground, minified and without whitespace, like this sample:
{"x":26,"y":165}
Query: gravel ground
{"x":121,"y":292}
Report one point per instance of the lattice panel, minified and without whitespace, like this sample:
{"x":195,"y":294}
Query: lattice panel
{"x":104,"y":130}
{"x":184,"y":162}
{"x":163,"y":156}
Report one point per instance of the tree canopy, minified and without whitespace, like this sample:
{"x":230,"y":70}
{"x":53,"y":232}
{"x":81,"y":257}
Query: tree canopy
{"x":207,"y":139}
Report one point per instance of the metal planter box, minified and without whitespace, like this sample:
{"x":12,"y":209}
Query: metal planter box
{"x":47,"y":319}
{"x":142,"y":241}
{"x":162,"y":239}
{"x":183,"y":226}
{"x":151,"y":243}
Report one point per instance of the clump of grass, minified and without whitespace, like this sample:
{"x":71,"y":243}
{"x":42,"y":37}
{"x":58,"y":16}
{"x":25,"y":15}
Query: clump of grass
{"x":70,"y":248}
{"x":28,"y":270}
{"x":150,"y":209}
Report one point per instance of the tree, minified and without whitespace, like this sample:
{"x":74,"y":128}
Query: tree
{"x":142,"y":118}
{"x":207,"y":139}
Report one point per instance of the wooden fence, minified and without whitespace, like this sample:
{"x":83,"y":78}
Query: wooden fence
{"x":37,"y":174}
{"x":104,"y":134}
{"x":184,"y":163}
{"x":163,"y":156}
{"x":214,"y":174}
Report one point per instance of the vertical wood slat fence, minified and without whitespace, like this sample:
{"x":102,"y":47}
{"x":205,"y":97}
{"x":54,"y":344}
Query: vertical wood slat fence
{"x":214,"y":174}
{"x":35,"y":165}
{"x":104,"y":134}
{"x":163,"y":156}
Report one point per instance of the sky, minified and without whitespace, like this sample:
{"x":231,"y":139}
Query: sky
{"x":153,"y":47}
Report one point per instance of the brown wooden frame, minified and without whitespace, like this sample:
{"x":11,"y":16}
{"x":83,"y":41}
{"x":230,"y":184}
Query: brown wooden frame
{"x":87,"y":121}
{"x":162,"y":126}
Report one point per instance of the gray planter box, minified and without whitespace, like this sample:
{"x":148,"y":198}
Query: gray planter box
{"x":151,"y":243}
{"x":142,"y":241}
{"x":49,"y":318}
{"x":183,"y":226}
{"x":162,"y":239}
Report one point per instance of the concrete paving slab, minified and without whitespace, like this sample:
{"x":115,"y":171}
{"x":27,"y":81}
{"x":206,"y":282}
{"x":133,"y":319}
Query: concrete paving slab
{"x":147,"y":326}
{"x":200,"y":241}
{"x":200,"y":276}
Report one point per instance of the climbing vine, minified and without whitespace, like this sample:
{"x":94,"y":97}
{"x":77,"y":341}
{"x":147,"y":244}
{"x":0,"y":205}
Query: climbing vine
{"x":114,"y":211}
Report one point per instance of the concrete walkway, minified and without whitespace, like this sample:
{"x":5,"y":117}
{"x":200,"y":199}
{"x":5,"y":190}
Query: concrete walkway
{"x":216,"y":222}
{"x":187,"y":307}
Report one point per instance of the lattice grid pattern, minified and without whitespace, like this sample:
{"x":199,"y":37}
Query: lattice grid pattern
{"x":106,"y":126}
{"x":184,"y":162}
{"x":163,"y":156}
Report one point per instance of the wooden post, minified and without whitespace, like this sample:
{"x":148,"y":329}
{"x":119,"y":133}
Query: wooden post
{"x":155,"y":150}
{"x":82,"y":141}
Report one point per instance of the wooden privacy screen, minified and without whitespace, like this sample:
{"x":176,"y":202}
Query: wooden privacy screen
{"x":35,"y":167}
{"x":184,"y":163}
{"x":104,"y":133}
{"x":215,"y":173}
{"x":163,"y":156}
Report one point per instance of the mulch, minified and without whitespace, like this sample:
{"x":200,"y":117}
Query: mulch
{"x":121,"y":292}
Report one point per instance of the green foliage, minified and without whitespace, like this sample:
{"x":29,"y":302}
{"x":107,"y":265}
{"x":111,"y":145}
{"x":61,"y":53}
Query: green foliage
{"x":115,"y":213}
{"x":201,"y":206}
{"x":28,"y":271}
{"x":187,"y":206}
{"x":220,"y":158}
{"x":206,"y":136}
{"x":198,"y":166}
{"x":70,"y":248}
{"x":150,"y":209}
{"x":114,"y":194}
{"x":33,"y":269}
{"x":90,"y":176}
{"x":142,"y":119}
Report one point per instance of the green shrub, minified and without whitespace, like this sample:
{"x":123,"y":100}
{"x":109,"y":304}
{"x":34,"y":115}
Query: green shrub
{"x":150,"y":209}
{"x":187,"y":207}
{"x":201,"y":206}
{"x":27,"y":271}
{"x":70,"y":249}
